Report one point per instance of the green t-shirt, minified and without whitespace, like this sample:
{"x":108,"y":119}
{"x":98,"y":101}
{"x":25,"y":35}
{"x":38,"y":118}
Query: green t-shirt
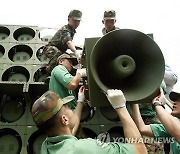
{"x":60,"y":78}
{"x":69,"y":144}
{"x":161,"y":134}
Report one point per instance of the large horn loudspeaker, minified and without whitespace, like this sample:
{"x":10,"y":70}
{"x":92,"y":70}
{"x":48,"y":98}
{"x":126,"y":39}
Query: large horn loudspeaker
{"x":128,"y":60}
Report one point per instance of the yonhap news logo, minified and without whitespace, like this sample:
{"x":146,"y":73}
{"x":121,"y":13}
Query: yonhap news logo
{"x":104,"y":139}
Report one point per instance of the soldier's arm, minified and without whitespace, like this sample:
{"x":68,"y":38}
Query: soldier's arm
{"x":74,"y":82}
{"x":130,"y":130}
{"x":77,"y":118}
{"x":171,"y":123}
{"x":79,"y":107}
{"x":144,"y":129}
{"x":71,"y":46}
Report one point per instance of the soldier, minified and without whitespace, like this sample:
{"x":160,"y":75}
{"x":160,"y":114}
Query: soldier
{"x":51,"y":102}
{"x":148,"y":114}
{"x":53,"y":115}
{"x":170,"y":127}
{"x":62,"y":40}
{"x":109,"y":21}
{"x":61,"y":81}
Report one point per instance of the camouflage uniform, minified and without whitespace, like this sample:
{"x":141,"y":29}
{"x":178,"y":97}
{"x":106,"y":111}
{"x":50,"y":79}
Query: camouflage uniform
{"x":105,"y":32}
{"x":57,"y":45}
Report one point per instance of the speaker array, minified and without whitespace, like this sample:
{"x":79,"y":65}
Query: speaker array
{"x":22,"y":75}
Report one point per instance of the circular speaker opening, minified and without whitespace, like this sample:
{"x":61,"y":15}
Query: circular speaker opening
{"x":40,"y":75}
{"x":12,"y":108}
{"x":87,"y":113}
{"x":10,"y":141}
{"x":16,"y":74}
{"x":24,"y":34}
{"x":4,"y":33}
{"x":41,"y":56}
{"x":20,"y":53}
{"x":46,"y":34}
{"x":109,"y":113}
{"x":143,"y":57}
{"x":2,"y":51}
{"x":35,"y":141}
{"x":116,"y":134}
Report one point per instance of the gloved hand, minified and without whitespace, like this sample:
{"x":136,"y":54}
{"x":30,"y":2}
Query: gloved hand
{"x":69,"y":51}
{"x":116,"y":98}
{"x":81,"y":96}
{"x":160,"y":98}
{"x":82,"y":71}
{"x":78,"y":54}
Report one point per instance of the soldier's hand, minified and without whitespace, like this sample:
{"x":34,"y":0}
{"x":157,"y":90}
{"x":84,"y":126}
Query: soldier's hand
{"x":78,"y":54}
{"x":81,"y":95}
{"x":82,"y":71}
{"x":160,"y":98}
{"x":116,"y":98}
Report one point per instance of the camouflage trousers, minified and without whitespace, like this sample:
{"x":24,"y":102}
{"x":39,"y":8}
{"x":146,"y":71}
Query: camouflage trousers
{"x":153,"y":147}
{"x":52,"y":53}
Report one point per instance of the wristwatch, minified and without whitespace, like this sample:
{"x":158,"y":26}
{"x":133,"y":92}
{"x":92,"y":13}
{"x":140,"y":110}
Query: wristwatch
{"x":157,"y":103}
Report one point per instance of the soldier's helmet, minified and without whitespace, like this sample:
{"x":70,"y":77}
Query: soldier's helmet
{"x":109,"y":14}
{"x":47,"y":106}
{"x":75,"y":14}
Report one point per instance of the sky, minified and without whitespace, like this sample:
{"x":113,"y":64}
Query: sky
{"x":160,"y":17}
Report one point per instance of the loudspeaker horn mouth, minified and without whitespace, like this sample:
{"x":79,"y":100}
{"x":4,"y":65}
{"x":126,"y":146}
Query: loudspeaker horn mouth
{"x":129,"y":60}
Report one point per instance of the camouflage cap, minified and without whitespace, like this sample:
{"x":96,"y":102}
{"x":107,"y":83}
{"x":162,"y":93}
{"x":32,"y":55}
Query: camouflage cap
{"x":47,"y":106}
{"x":109,"y":14}
{"x":68,"y":56}
{"x":75,"y":14}
{"x":174,"y":96}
